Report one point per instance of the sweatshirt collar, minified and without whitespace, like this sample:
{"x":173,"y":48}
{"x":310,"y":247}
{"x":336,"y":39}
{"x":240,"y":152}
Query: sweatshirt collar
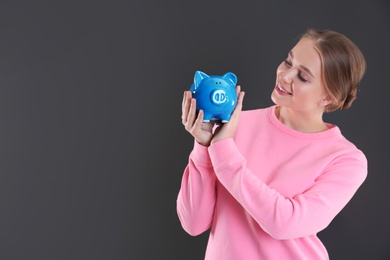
{"x":333,"y":130}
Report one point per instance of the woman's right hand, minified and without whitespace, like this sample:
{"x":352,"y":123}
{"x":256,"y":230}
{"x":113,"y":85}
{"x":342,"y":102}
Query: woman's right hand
{"x":202,"y":132}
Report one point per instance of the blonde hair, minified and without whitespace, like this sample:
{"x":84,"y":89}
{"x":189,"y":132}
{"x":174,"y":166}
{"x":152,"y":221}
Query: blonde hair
{"x":343,"y":66}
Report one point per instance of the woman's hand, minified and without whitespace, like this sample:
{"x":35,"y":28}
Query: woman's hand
{"x":227,"y":130}
{"x":202,"y":132}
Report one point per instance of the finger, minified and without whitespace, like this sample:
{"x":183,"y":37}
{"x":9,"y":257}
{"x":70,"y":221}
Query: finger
{"x":217,"y":129}
{"x":238,"y":90}
{"x":185,"y":106}
{"x":191,"y":113}
{"x":240,"y":99}
{"x":238,"y":108}
{"x":184,"y":98}
{"x":183,"y":110}
{"x":199,"y":121}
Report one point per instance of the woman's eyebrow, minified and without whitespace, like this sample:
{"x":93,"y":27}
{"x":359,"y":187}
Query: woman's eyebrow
{"x":301,"y":66}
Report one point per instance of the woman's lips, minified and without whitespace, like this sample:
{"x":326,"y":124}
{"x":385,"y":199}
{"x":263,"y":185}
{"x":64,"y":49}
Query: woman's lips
{"x":281,"y":90}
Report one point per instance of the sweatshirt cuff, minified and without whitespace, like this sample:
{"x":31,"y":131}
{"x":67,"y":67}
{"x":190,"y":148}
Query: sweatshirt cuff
{"x":222,"y":151}
{"x":200,"y":155}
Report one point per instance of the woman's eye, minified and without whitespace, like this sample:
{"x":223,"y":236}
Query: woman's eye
{"x":289,"y":64}
{"x":301,"y":78}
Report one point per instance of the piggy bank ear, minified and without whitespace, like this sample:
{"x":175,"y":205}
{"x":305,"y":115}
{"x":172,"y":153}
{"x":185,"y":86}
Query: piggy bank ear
{"x":199,"y":76}
{"x":231,"y":78}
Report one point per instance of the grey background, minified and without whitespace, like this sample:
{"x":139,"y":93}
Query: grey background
{"x":91,"y":143}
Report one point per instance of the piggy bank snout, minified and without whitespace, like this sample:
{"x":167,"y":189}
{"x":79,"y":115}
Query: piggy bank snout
{"x":219,"y":97}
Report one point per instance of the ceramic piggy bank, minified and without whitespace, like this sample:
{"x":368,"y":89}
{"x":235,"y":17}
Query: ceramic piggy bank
{"x":215,"y":95}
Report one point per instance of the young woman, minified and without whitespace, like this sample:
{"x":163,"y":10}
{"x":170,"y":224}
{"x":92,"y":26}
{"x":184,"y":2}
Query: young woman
{"x":270,"y":179}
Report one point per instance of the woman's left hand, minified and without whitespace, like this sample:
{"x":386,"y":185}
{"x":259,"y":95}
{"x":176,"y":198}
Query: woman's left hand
{"x":227,"y":130}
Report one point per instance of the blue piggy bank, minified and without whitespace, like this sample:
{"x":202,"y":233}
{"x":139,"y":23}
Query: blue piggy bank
{"x":215,"y":95}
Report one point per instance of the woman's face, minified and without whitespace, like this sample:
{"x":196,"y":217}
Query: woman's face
{"x":299,"y":83}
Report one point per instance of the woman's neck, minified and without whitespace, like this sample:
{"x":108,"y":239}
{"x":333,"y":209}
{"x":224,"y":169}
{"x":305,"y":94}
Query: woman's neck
{"x":301,"y":121}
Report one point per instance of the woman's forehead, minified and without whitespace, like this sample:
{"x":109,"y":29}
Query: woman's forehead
{"x":306,"y":54}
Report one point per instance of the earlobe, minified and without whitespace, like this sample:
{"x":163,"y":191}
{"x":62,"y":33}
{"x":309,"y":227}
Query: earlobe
{"x":325,"y":101}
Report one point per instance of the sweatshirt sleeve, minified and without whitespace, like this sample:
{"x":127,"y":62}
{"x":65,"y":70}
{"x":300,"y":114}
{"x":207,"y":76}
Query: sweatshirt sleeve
{"x":197,"y":195}
{"x":287,"y":218}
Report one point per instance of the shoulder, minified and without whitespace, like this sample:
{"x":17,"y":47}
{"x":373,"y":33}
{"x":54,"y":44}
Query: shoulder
{"x":344,"y":151}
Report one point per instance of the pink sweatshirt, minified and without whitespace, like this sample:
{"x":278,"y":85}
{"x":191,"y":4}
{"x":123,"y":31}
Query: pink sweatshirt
{"x":270,"y":190}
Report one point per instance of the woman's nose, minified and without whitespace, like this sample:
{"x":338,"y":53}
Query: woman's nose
{"x":286,"y":76}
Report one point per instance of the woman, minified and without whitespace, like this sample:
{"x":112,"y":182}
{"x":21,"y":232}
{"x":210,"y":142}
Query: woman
{"x":270,"y":179}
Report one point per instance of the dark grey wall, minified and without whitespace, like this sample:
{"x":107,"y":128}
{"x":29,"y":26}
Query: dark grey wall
{"x":91,"y":144}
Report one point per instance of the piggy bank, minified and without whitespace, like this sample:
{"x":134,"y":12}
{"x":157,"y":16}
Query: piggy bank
{"x":215,"y":95}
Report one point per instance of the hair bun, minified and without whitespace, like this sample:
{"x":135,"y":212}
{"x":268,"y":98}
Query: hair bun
{"x":352,"y":95}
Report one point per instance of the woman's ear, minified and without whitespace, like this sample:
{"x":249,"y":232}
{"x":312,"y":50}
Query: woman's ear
{"x":325,"y":101}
